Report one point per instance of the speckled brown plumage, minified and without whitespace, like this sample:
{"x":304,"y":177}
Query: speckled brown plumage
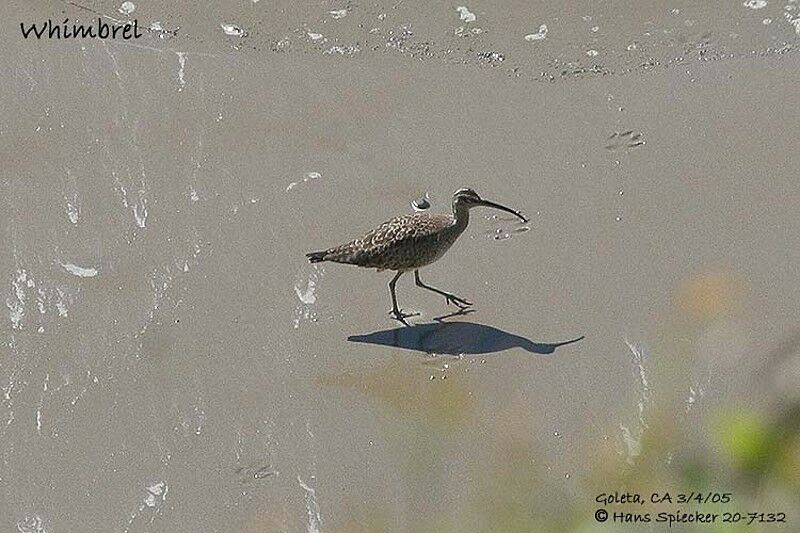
{"x":410,"y":242}
{"x":403,"y":243}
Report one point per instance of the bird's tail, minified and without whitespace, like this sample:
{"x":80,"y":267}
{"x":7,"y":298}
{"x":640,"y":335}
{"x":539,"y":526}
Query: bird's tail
{"x":317,"y":257}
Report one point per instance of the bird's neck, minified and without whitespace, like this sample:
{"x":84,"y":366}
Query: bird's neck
{"x":461,"y":215}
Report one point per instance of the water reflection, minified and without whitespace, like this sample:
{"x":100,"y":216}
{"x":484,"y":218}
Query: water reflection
{"x":456,"y":338}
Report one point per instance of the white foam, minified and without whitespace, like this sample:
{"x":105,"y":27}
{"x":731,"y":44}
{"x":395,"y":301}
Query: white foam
{"x":307,"y":295}
{"x":63,"y":311}
{"x":633,"y":444}
{"x":232,"y":29}
{"x":156,"y":493}
{"x":342,"y":50}
{"x":139,"y":208}
{"x":538,"y":36}
{"x":638,"y":361}
{"x":16,"y":306}
{"x":312,"y":508}
{"x":73,"y":209}
{"x":465,"y":14}
{"x":127,"y":8}
{"x":181,"y":65}
{"x":794,"y":22}
{"x":694,"y":395}
{"x":79,"y":271}
{"x":305,"y":288}
{"x":306,"y":177}
{"x":31,"y":524}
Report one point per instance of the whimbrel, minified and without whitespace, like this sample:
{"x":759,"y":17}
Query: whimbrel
{"x":410,"y":242}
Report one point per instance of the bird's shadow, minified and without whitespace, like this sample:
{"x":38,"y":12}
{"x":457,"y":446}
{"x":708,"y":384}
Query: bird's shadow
{"x":456,"y":338}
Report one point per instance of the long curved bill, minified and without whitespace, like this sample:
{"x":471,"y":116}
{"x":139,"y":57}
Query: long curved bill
{"x":487,"y":203}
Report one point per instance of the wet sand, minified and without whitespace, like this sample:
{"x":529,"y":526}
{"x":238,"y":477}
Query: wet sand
{"x":170,"y":362}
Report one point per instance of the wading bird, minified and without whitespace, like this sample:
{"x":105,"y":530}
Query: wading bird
{"x":410,"y":242}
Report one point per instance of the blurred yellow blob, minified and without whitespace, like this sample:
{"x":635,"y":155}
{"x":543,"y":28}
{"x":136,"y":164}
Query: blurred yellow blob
{"x":747,"y":439}
{"x":710,"y":295}
{"x":789,"y":463}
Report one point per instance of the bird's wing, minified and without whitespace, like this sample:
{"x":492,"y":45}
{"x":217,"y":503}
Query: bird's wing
{"x":401,"y":228}
{"x":393,"y":233}
{"x":369,"y":249}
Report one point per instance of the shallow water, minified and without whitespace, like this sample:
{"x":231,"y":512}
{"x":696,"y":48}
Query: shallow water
{"x":170,"y":361}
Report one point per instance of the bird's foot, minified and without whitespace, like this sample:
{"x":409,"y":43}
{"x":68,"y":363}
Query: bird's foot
{"x":461,"y":311}
{"x":399,"y":315}
{"x":461,"y":303}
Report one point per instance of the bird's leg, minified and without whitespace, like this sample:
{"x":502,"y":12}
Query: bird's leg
{"x":396,"y":312}
{"x":450,"y":298}
{"x":392,"y":285}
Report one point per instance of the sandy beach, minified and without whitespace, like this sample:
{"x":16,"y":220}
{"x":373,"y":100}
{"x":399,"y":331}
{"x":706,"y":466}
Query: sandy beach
{"x":171,"y":362}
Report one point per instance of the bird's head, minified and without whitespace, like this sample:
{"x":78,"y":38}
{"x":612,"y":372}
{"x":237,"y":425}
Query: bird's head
{"x":468,"y":198}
